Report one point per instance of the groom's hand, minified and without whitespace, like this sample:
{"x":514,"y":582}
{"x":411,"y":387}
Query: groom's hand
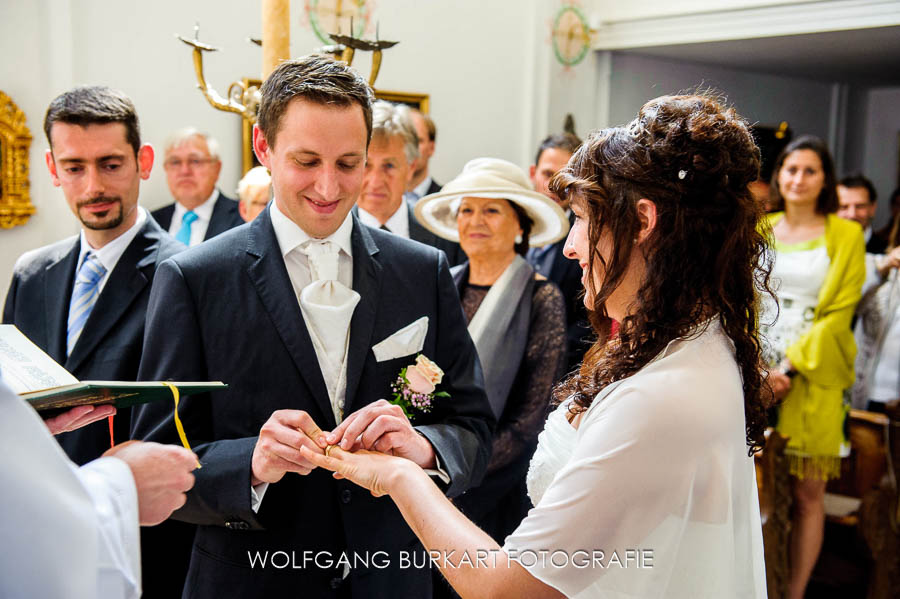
{"x":383,"y":427}
{"x":277,"y":449}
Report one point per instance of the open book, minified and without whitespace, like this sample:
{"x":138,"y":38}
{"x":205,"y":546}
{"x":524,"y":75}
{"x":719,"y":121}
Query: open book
{"x":46,"y":385}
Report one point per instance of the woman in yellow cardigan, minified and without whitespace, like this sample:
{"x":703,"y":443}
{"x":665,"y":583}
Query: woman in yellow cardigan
{"x":819,"y":268}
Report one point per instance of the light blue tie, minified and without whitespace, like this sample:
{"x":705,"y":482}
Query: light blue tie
{"x":84,"y":296}
{"x":184,"y":233}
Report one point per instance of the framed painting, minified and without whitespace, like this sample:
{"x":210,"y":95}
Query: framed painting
{"x":15,"y":141}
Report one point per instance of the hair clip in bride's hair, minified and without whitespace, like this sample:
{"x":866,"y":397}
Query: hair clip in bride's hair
{"x":682,"y":174}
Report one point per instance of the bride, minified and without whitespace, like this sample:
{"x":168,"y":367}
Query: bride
{"x":643,"y":484}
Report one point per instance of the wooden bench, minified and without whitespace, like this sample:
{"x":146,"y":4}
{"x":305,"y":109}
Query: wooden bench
{"x":879,"y":516}
{"x":773,"y":481}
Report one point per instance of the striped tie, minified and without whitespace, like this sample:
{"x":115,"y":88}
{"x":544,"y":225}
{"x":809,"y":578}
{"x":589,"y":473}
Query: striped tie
{"x":84,"y":296}
{"x":184,"y":233}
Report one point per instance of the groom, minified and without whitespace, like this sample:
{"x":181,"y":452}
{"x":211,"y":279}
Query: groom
{"x":309,"y":317}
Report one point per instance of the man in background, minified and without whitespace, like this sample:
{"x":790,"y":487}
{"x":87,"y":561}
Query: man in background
{"x":856,"y":201}
{"x":391,"y":157}
{"x":421,"y":184}
{"x":552,"y":155}
{"x":200,"y":211}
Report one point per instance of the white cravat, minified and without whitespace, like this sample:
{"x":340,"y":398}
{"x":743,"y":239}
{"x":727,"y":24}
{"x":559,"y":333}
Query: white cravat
{"x":327,"y":306}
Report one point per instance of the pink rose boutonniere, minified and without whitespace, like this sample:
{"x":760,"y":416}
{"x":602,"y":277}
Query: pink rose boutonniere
{"x":414,"y":389}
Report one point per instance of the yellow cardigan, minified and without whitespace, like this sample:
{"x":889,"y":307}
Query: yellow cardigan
{"x":813,"y":412}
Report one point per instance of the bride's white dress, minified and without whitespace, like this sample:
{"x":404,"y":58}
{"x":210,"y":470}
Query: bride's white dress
{"x":654,"y":494}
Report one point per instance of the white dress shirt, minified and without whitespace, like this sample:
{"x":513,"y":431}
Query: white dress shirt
{"x":198,"y":227}
{"x":110,"y":253}
{"x":421,"y":190}
{"x":290,"y":237}
{"x":398,"y":223}
{"x":68,"y":532}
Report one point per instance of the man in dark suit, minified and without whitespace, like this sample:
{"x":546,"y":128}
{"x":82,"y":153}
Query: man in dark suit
{"x":856,"y":201}
{"x":83,"y":300}
{"x":420,"y":183}
{"x":200,"y":211}
{"x":552,"y":155}
{"x":391,"y":156}
{"x":309,"y":316}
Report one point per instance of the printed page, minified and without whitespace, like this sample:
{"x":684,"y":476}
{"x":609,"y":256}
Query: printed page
{"x":24,"y":367}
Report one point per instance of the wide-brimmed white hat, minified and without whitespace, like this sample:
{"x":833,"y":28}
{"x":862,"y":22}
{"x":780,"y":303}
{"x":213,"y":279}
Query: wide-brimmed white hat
{"x":492,"y":178}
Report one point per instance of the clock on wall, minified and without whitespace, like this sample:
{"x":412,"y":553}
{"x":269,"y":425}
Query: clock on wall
{"x":571,"y":35}
{"x":348,"y":17}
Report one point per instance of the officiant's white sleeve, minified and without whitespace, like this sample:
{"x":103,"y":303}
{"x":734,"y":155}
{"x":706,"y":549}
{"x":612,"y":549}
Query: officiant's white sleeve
{"x":659,"y":497}
{"x":67,"y":531}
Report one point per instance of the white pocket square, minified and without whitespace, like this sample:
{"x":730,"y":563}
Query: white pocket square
{"x":408,"y":340}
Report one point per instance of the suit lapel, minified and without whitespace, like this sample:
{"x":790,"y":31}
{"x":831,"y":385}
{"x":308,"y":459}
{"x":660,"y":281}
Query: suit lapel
{"x":163,"y":216}
{"x":269,"y":275}
{"x":367,"y":283}
{"x":133,"y":272}
{"x":58,"y":280}
{"x":416,"y":231}
{"x":218,"y":220}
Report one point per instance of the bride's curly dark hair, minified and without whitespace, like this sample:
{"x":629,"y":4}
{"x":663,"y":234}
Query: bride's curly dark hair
{"x":693,"y":158}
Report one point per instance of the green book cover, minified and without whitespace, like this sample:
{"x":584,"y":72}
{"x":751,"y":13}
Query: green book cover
{"x":120,"y":394}
{"x":46,"y":385}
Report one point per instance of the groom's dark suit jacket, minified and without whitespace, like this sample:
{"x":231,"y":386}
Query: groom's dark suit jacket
{"x":226,"y":310}
{"x":109,"y":347}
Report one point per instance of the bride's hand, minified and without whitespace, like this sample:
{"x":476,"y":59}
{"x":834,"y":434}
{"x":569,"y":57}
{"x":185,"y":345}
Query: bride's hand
{"x":372,"y":470}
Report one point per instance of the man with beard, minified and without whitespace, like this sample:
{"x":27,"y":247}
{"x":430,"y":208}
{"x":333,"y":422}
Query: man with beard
{"x":83,"y":300}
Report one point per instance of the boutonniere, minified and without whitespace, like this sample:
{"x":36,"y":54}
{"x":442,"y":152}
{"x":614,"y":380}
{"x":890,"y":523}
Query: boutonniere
{"x":414,"y":389}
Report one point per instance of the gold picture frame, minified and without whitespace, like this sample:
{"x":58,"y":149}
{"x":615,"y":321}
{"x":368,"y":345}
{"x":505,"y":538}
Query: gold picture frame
{"x":15,"y":141}
{"x":418,"y":101}
{"x":248,"y":158}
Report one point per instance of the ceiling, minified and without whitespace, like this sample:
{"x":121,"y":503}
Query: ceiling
{"x":862,"y":56}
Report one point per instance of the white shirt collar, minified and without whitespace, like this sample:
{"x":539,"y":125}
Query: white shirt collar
{"x":421,"y":189}
{"x":867,"y":234}
{"x":203,"y":211}
{"x":110,"y":253}
{"x":398,"y":223}
{"x":290,"y":236}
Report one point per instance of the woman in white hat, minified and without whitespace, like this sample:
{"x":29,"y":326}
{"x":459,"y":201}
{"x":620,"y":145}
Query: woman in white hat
{"x":516,"y":317}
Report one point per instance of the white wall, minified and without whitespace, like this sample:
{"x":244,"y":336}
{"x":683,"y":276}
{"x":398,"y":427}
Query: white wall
{"x":480,"y":66}
{"x":610,"y":10}
{"x":767,"y":99}
{"x":881,"y":145}
{"x":28,"y":76}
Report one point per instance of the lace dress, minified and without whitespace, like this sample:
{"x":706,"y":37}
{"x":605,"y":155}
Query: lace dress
{"x":654,"y":495}
{"x":500,"y":502}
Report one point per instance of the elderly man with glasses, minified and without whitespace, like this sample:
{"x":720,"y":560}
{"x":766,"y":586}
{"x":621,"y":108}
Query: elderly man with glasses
{"x":200,"y":211}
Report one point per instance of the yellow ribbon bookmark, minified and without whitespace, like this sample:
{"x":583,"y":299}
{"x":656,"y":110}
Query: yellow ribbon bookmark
{"x":178,"y":426}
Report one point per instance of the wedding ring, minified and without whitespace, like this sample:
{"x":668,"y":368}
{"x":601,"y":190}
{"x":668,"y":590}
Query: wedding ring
{"x":328,"y":449}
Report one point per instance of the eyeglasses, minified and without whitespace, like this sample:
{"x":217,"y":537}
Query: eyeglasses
{"x":173,"y":164}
